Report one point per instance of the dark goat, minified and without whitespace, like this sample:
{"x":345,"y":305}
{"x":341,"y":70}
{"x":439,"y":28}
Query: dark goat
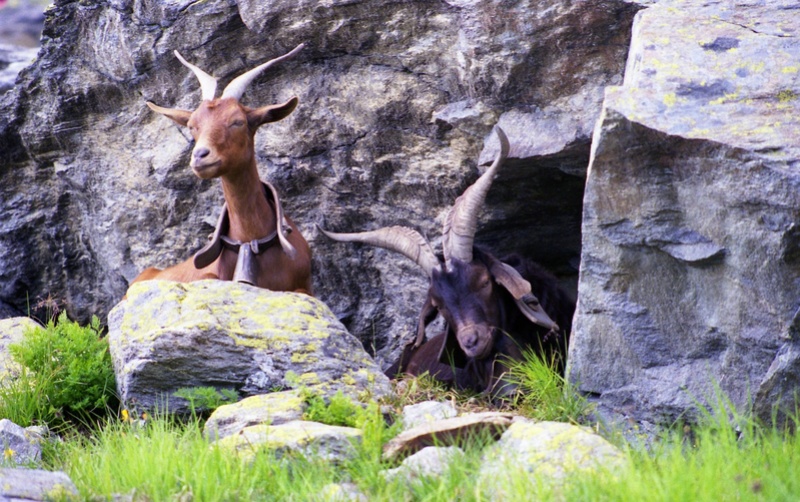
{"x":491,"y":306}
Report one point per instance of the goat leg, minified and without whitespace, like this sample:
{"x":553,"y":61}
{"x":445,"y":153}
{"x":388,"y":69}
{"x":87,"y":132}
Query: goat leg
{"x":426,"y":316}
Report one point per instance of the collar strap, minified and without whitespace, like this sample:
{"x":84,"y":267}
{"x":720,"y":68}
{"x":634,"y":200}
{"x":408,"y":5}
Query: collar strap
{"x":219,"y":240}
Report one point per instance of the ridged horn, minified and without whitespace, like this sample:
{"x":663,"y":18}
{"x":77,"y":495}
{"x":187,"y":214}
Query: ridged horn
{"x":462,"y":220}
{"x":238,"y":85}
{"x":208,"y":84}
{"x":403,"y":240}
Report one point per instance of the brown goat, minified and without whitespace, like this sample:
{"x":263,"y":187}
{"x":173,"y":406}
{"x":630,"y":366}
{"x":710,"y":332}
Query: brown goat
{"x":252,"y":221}
{"x":490,"y":306}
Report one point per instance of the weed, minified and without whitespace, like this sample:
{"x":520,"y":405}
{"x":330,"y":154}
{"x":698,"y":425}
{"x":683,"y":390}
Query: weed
{"x":66,"y":371}
{"x":543,"y":393}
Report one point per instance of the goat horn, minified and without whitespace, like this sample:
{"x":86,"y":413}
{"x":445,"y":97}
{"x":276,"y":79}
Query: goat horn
{"x":238,"y":85}
{"x":462,"y":220}
{"x":208,"y":84}
{"x":403,"y":240}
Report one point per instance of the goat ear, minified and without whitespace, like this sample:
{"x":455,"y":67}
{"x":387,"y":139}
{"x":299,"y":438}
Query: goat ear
{"x":270,"y":113}
{"x":179,"y":116}
{"x":508,"y":277}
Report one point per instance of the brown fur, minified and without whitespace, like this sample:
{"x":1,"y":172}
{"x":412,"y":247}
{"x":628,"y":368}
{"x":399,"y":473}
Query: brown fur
{"x":224,"y":132}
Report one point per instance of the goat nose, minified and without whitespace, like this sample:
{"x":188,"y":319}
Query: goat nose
{"x":471,"y":340}
{"x":201,"y":153}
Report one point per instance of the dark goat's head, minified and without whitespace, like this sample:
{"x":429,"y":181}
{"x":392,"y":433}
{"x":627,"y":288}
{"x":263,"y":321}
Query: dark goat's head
{"x":463,"y":289}
{"x":223,"y":128}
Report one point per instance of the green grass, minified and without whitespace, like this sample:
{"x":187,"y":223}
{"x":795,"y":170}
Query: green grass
{"x":165,"y":460}
{"x":545,"y":394}
{"x":725,"y":457}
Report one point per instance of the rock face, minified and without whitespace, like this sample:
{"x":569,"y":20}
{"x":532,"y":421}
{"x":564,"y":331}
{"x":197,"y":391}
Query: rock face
{"x":168,"y":335}
{"x":690,"y":268}
{"x":396,"y":101}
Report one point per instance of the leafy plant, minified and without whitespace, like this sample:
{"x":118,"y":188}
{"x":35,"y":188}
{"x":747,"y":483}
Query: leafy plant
{"x":67,"y":366}
{"x":206,"y":399}
{"x":340,"y":410}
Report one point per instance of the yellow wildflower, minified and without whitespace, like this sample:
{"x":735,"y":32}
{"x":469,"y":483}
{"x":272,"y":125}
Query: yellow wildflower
{"x":8,"y":453}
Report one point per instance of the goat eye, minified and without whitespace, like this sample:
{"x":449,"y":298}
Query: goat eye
{"x":237,"y":123}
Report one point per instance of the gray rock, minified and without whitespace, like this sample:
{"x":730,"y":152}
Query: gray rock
{"x":430,"y":461}
{"x":34,"y":485}
{"x":7,"y":311}
{"x":342,"y":492}
{"x":170,"y":335}
{"x":13,"y":59}
{"x":21,"y":23}
{"x":311,"y":439}
{"x":12,"y":331}
{"x":690,"y":268}
{"x":548,"y":451}
{"x":19,"y":447}
{"x":425,"y":412}
{"x":394,"y":110}
{"x":271,"y":409}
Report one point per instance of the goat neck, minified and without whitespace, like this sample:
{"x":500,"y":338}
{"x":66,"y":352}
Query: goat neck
{"x":251,"y":215}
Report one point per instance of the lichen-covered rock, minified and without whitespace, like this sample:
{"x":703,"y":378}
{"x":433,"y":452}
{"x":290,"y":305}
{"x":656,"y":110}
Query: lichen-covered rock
{"x":690,"y":268}
{"x":12,"y":331}
{"x":271,"y":409}
{"x":310,"y":439}
{"x":170,"y":335}
{"x":430,"y":461}
{"x":342,"y":492}
{"x":425,"y":412}
{"x":551,"y":451}
{"x":35,"y":485}
{"x":18,"y":446}
{"x":394,"y":110}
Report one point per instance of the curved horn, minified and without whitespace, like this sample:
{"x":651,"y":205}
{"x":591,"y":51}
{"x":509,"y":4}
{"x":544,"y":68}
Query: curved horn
{"x":237,"y":86}
{"x":462,"y":220}
{"x":403,"y":240}
{"x":208,"y":84}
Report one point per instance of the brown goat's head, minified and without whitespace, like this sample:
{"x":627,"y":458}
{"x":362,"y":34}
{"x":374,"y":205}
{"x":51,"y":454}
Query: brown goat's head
{"x":223,"y":128}
{"x":464,"y":288}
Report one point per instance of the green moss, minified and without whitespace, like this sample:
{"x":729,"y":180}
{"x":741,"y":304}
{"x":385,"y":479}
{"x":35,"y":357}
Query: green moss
{"x":310,"y":378}
{"x":786,"y":95}
{"x":304,"y":357}
{"x":270,"y":404}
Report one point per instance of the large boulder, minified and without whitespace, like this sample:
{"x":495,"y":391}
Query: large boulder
{"x":690,"y":268}
{"x":167,"y":335}
{"x":393,"y":116}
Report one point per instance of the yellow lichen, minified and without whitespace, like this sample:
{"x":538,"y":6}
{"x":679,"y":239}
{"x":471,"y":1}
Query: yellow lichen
{"x":786,"y":95}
